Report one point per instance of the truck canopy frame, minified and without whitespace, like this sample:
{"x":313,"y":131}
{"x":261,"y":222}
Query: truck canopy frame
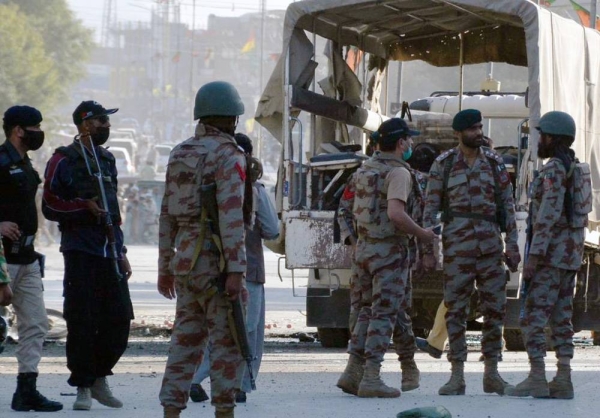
{"x":562,"y":56}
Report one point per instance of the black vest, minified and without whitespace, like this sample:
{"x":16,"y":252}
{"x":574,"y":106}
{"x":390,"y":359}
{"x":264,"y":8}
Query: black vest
{"x":85,"y":186}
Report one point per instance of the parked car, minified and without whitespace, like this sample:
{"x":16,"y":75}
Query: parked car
{"x":125,"y":167}
{"x":162,"y":157}
{"x":127,"y":143}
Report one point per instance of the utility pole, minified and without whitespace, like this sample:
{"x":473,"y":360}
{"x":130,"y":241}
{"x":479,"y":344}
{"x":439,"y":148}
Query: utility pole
{"x":109,"y":15}
{"x":191,"y":87}
{"x":263,"y":11}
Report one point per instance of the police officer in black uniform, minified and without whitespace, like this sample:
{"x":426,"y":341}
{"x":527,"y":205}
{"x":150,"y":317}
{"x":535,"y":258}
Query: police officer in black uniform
{"x":97,"y":305}
{"x":18,"y":225}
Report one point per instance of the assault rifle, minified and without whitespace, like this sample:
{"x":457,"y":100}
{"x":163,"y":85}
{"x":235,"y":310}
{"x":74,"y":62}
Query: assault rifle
{"x":529,"y":237}
{"x":235,"y":314}
{"x":237,"y":322}
{"x":108,"y":224}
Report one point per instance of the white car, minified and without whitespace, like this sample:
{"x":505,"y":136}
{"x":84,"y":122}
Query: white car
{"x":124,"y":164}
{"x":162,"y":157}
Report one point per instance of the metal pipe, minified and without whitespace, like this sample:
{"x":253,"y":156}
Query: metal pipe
{"x":300,"y":163}
{"x":462,"y":71}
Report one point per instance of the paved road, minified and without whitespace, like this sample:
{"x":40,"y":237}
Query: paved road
{"x":146,"y":300}
{"x":299,"y":382}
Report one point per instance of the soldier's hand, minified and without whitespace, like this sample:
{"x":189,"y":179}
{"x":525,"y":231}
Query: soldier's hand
{"x":427,"y":235}
{"x":429,"y":262}
{"x":10,"y":230}
{"x":166,"y":286}
{"x":531,"y":266}
{"x":5,"y":294}
{"x":512,"y":260}
{"x":233,"y":285}
{"x":93,"y":207}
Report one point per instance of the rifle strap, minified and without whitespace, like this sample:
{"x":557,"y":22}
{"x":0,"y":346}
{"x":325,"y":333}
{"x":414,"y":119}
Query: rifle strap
{"x":445,"y":201}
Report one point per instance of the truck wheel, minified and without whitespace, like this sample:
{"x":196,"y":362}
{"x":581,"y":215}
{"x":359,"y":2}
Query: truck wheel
{"x":334,"y":337}
{"x":513,"y":338}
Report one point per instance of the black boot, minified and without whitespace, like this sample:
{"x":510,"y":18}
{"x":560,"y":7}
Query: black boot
{"x":27,"y":398}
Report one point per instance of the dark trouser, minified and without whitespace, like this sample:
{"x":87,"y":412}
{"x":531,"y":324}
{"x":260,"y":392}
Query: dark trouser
{"x":98,"y":311}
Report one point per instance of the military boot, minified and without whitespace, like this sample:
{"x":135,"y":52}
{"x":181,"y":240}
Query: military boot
{"x":561,"y":386}
{"x":171,"y":412}
{"x":224,"y":413}
{"x":410,"y":375}
{"x":535,"y":385}
{"x":492,"y":382}
{"x":371,"y":385}
{"x":353,"y":374}
{"x":102,"y":393}
{"x":27,"y":398}
{"x":456,"y":384}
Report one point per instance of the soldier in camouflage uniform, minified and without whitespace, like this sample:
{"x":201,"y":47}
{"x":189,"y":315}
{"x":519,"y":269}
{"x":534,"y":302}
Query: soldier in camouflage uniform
{"x":383,"y":185}
{"x":471,"y":187}
{"x":555,"y":251}
{"x":206,"y":175}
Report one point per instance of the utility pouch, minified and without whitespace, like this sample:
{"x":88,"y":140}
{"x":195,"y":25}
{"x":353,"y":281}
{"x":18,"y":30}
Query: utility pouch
{"x":581,"y":191}
{"x":366,"y":200}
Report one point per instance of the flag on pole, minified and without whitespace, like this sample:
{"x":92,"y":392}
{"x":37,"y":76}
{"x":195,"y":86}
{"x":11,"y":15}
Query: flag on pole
{"x":250,"y":44}
{"x":584,"y":15}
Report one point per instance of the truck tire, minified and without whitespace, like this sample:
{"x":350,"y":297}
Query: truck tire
{"x":334,"y":337}
{"x":513,"y":339}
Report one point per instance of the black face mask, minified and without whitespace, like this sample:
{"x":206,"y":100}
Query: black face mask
{"x":33,"y":140}
{"x":101,"y":135}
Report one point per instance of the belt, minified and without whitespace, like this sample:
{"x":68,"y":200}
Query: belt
{"x":479,"y":216}
{"x":403,"y":240}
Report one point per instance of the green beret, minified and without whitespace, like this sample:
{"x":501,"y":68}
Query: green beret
{"x":465,"y":119}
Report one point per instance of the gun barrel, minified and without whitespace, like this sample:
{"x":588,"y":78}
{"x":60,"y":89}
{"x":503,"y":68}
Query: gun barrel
{"x":242,"y":336}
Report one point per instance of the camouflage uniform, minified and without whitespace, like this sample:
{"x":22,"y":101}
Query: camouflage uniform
{"x":472,"y":247}
{"x":381,"y":259}
{"x":550,"y":294}
{"x":210,"y":157}
{"x":403,"y":336}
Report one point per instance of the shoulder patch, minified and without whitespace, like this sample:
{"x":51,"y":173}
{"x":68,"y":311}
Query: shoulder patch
{"x":493,"y":155}
{"x":446,"y":154}
{"x":240,"y":171}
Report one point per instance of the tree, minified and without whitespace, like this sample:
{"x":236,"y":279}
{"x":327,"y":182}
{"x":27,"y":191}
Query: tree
{"x":27,"y":74}
{"x":62,"y":46}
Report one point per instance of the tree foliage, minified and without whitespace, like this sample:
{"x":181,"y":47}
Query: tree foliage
{"x":44,"y":50}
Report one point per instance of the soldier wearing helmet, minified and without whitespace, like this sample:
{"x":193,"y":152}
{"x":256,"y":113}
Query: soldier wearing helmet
{"x":560,"y":203}
{"x":201,"y":241}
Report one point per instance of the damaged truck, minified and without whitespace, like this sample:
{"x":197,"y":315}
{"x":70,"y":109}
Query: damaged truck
{"x":322,"y":106}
